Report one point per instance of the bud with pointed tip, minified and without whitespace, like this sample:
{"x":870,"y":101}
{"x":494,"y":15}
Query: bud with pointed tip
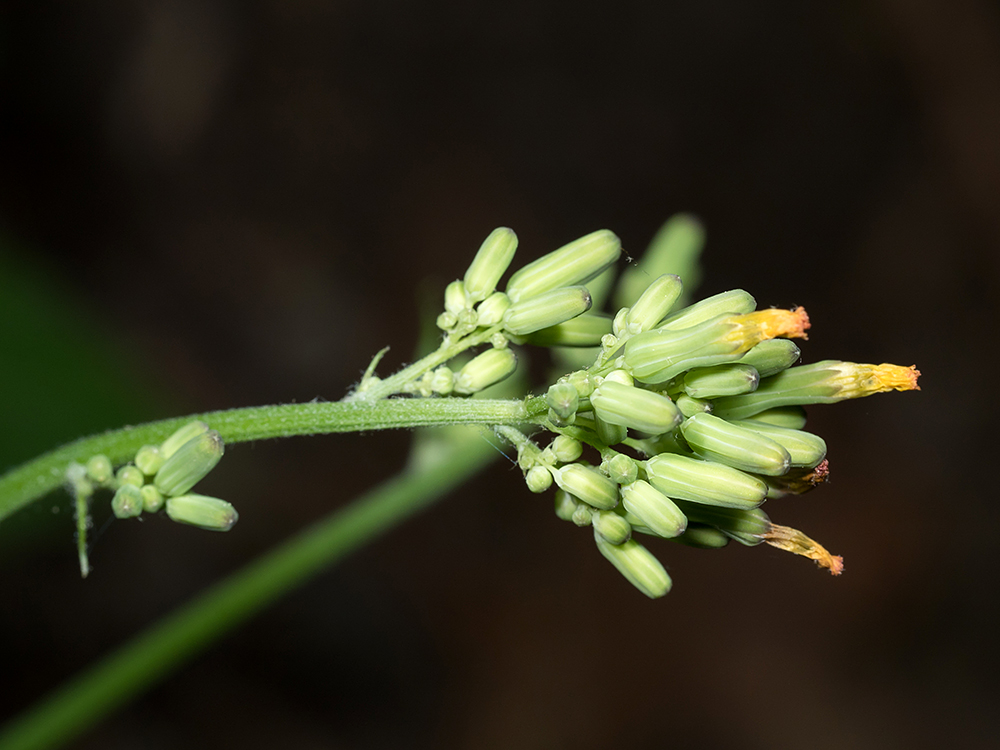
{"x":99,"y":469}
{"x":484,"y":370}
{"x":639,"y":409}
{"x":152,"y":498}
{"x":654,"y":303}
{"x":721,"y":380}
{"x":173,"y":443}
{"x":149,"y":459}
{"x":612,"y":527}
{"x":771,"y":356}
{"x":205,"y":512}
{"x":638,"y":565}
{"x":736,"y":446}
{"x":493,"y":258}
{"x":588,"y":485}
{"x":190,"y":463}
{"x":734,"y":302}
{"x":130,"y":474}
{"x":127,"y":502}
{"x":545,"y":310}
{"x":575,"y":263}
{"x":657,"y":512}
{"x":698,"y":481}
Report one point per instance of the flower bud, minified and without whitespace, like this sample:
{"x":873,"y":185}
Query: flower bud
{"x":680,"y":477}
{"x":565,"y":505}
{"x":127,"y":502}
{"x":609,"y":434}
{"x":538,"y":479}
{"x":637,"y":408}
{"x":129,"y":474}
{"x":736,"y":446}
{"x":575,"y":263}
{"x":820,"y":383}
{"x":720,"y":380}
{"x":702,"y":537}
{"x":690,"y":406}
{"x":202,"y":511}
{"x":745,"y":525}
{"x":563,"y":399}
{"x":455,"y":299}
{"x":442,"y":380}
{"x":654,"y":303}
{"x":656,"y":511}
{"x":173,"y":443}
{"x":491,"y":309}
{"x":638,"y":565}
{"x":771,"y":357}
{"x":99,"y":469}
{"x":804,"y":449}
{"x":152,"y":498}
{"x":490,"y":263}
{"x":189,"y":464}
{"x":792,"y":417}
{"x":619,"y":376}
{"x":149,"y":459}
{"x":547,"y":309}
{"x":583,"y":515}
{"x":621,"y":469}
{"x":611,"y":527}
{"x":734,"y":302}
{"x":484,"y":370}
{"x":584,"y":330}
{"x":566,"y":449}
{"x":587,"y":485}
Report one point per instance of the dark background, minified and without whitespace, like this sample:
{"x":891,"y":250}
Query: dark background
{"x":209,"y":205}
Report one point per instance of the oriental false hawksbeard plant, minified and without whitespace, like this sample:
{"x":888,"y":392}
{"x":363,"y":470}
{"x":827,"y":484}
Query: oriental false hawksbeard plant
{"x":672,"y":420}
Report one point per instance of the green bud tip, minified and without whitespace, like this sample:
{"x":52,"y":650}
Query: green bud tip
{"x":455,"y":298}
{"x":152,"y":498}
{"x":538,"y":479}
{"x":173,"y":443}
{"x":99,"y":469}
{"x":612,"y":527}
{"x":490,"y":263}
{"x":545,"y":310}
{"x":484,"y":370}
{"x":638,"y":565}
{"x":149,"y":459}
{"x":621,"y":469}
{"x":563,"y":399}
{"x":127,"y":502}
{"x":566,"y":449}
{"x":129,"y":474}
{"x":575,"y":263}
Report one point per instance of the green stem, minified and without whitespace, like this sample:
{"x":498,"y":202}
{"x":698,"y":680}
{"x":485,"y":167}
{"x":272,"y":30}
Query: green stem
{"x":154,"y":654}
{"x":396,"y":383}
{"x":32,"y":480}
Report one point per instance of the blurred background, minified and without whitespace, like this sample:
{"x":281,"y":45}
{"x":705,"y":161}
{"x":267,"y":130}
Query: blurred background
{"x":206,"y":205}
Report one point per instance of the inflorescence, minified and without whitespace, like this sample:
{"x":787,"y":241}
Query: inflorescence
{"x":675,"y":420}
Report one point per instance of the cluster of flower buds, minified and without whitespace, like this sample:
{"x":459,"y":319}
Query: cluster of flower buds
{"x":162,"y":476}
{"x":696,"y":413}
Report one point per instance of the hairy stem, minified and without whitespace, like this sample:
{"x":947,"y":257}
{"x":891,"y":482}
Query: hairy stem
{"x":163,"y":648}
{"x":34,"y":479}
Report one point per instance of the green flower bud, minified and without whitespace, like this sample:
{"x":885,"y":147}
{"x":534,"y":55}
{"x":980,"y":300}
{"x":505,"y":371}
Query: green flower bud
{"x":721,"y":380}
{"x":484,"y":370}
{"x":654,"y":303}
{"x":619,"y":326}
{"x":680,"y":477}
{"x":792,"y":417}
{"x":563,"y":399}
{"x":565,"y":449}
{"x":734,"y":302}
{"x":584,"y":330}
{"x":127,"y":502}
{"x":611,"y":527}
{"x":821,"y":383}
{"x":490,"y":263}
{"x":442,"y":381}
{"x":149,"y":459}
{"x":637,"y":408}
{"x":538,"y":479}
{"x":173,"y":443}
{"x":202,"y":511}
{"x":745,"y":525}
{"x":739,"y":447}
{"x":547,"y":309}
{"x":152,"y":498}
{"x":609,"y":434}
{"x":588,"y":485}
{"x":621,"y":469}
{"x":771,"y":357}
{"x":99,"y":469}
{"x":129,"y":474}
{"x":446,"y":321}
{"x":656,"y":511}
{"x":637,"y":564}
{"x":619,"y":376}
{"x":583,"y":515}
{"x":674,"y":249}
{"x":702,"y":537}
{"x":804,"y":449}
{"x":565,"y":505}
{"x":455,"y":299}
{"x":659,"y":355}
{"x":189,"y":464}
{"x":690,"y":406}
{"x":575,"y":263}
{"x":581,"y":381}
{"x":492,"y":308}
